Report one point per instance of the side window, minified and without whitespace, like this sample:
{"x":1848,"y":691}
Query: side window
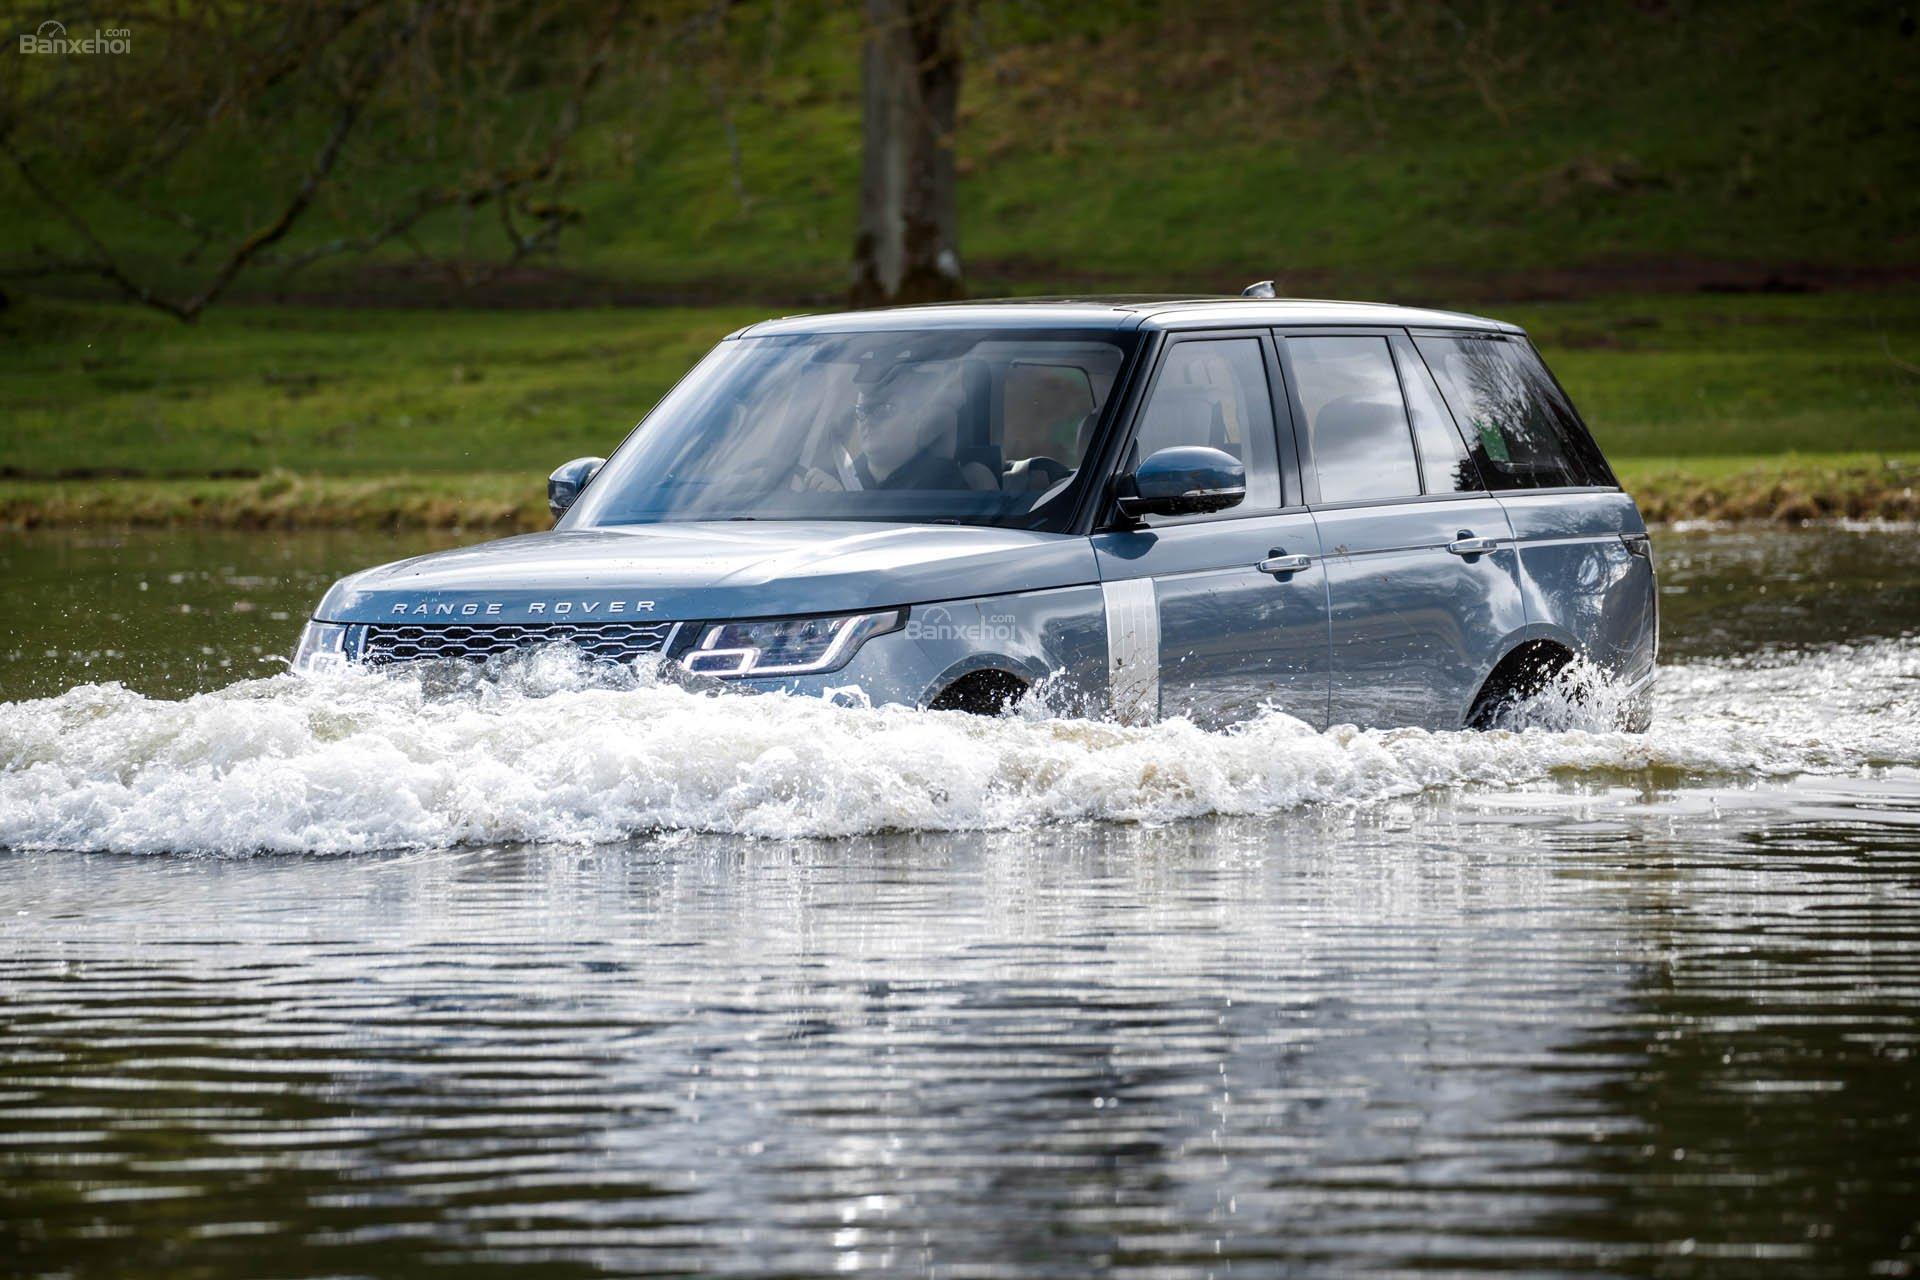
{"x":1046,"y":406}
{"x":1574,"y":435}
{"x":1213,"y":392}
{"x":1357,"y":429}
{"x":1445,"y":465}
{"x":1522,"y":431}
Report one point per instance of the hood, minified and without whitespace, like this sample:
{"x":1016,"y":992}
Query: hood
{"x":732,"y":569}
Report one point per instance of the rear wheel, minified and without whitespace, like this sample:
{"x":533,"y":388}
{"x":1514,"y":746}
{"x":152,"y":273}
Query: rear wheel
{"x":1522,"y":674}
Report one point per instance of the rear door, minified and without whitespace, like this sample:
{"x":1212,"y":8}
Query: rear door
{"x":1421,"y":570}
{"x":1576,"y":532}
{"x":1217,"y":616}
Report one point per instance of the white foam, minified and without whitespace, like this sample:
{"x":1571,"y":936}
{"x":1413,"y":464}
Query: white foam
{"x":358,"y":761}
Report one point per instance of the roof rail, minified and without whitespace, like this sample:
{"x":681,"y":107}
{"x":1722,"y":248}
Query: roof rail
{"x":1259,"y":289}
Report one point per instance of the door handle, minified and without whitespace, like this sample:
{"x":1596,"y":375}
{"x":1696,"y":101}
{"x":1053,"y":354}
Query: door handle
{"x":1468,"y":545}
{"x":1278,"y":563}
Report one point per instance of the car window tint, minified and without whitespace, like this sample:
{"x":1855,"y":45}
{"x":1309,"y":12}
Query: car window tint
{"x":1445,"y":466}
{"x":1589,"y":463}
{"x":1520,"y":428}
{"x":1214,"y":393}
{"x":1045,"y":408}
{"x":872,"y":425}
{"x":1357,"y":428}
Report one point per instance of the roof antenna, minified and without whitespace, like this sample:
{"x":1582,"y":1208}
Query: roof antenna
{"x":1260,"y":289}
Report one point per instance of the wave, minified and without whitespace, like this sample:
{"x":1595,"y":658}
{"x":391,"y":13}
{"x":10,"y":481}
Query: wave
{"x":550,"y":750}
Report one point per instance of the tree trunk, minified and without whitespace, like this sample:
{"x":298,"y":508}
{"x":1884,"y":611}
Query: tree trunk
{"x":908,"y":248}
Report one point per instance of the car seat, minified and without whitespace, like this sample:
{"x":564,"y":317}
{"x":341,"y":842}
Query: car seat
{"x":1346,"y":430}
{"x":944,"y":441}
{"x":978,"y":455}
{"x":1183,"y":414}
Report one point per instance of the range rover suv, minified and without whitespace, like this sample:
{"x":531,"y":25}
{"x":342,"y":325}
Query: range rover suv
{"x":1205,"y":507}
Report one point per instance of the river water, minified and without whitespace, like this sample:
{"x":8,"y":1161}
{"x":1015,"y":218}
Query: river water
{"x":557,"y":977}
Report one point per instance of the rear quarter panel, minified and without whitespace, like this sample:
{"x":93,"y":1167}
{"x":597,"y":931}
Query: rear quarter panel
{"x":1578,"y":580}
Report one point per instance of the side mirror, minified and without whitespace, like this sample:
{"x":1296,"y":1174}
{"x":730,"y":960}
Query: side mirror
{"x":566,"y":482}
{"x":1185,"y":480}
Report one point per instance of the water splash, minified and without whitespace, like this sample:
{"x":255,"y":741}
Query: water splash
{"x":547,"y":749}
{"x":1579,"y":696}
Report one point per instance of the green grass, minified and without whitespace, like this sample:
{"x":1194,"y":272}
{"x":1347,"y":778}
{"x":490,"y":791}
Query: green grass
{"x":1440,"y":154}
{"x":1781,"y":488}
{"x":278,"y":500}
{"x":88,"y":388}
{"x":1723,"y":376}
{"x":1500,"y":149}
{"x":1789,"y":487}
{"x":1638,"y":472}
{"x":1731,"y":404}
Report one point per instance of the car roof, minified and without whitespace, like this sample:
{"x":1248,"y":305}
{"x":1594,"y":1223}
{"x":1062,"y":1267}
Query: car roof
{"x":1126,"y":311}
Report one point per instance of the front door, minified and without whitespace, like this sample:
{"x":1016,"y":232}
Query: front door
{"x":1420,"y":561}
{"x":1216,"y":617}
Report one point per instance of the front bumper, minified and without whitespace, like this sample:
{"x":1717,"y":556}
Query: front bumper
{"x":1033,"y":636}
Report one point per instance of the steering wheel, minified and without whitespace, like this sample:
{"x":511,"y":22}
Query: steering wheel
{"x":1050,"y":470}
{"x":795,"y":478}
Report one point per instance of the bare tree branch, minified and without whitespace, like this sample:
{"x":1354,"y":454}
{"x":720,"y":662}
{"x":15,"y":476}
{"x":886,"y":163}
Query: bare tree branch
{"x":322,"y":166}
{"x":103,"y":263}
{"x":1903,"y":365}
{"x":286,"y":58}
{"x":229,"y":72}
{"x":497,"y":187}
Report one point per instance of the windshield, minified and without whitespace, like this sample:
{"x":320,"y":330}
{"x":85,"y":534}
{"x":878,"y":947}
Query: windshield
{"x":971,"y":426}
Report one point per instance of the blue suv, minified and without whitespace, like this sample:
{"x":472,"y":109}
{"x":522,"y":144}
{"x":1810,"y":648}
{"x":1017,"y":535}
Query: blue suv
{"x":1205,"y":507}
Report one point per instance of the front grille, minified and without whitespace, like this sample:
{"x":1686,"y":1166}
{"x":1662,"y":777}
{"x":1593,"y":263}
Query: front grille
{"x":602,"y":641}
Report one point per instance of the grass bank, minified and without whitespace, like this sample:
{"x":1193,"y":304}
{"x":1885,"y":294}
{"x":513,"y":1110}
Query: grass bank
{"x":1759,"y":406}
{"x":1486,"y":151}
{"x":1789,"y":489}
{"x":282,"y":500}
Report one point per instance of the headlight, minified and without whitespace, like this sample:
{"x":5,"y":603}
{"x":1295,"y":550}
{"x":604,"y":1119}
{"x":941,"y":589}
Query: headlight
{"x":786,"y":646}
{"x":325,"y":646}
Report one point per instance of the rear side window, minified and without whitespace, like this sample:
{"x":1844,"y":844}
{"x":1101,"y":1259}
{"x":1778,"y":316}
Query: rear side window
{"x":1521,"y":429}
{"x":1357,"y":428}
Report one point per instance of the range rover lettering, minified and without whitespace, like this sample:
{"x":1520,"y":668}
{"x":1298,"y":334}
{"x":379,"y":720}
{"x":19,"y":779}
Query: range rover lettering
{"x":1207,"y":507}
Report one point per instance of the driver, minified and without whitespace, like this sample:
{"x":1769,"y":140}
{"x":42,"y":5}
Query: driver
{"x":898,"y":443}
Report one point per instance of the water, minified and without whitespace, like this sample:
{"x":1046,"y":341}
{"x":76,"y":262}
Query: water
{"x":168,"y":614}
{"x":597,"y":980}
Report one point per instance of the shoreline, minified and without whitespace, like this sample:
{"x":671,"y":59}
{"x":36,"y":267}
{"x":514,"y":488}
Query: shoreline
{"x":1787,"y":490}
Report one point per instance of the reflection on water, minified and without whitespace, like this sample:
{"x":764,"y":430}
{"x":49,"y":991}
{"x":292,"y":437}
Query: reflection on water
{"x":1733,"y":590}
{"x":179,"y":613}
{"x":168,"y":613}
{"x":1559,"y":1008}
{"x":1426,"y":1036}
